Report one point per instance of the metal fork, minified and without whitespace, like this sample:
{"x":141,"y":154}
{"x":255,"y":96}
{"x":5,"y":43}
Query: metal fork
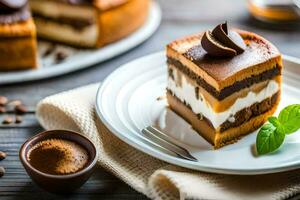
{"x":164,"y":141}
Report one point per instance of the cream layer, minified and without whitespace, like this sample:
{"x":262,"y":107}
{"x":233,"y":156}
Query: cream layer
{"x":66,"y":33}
{"x":186,"y":93}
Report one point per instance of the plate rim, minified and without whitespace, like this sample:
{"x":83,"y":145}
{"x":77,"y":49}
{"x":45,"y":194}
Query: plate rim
{"x":171,"y":159}
{"x":132,"y":40}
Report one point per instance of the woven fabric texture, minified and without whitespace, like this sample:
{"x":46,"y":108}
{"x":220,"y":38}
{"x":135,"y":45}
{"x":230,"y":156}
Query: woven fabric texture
{"x":75,"y":110}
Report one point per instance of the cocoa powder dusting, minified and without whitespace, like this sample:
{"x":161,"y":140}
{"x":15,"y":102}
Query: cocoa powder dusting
{"x":58,"y":156}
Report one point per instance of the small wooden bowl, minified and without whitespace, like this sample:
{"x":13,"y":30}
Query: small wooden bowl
{"x":59,"y":183}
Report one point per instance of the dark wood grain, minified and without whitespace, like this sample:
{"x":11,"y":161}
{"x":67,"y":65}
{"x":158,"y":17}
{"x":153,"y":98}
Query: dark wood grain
{"x":180,"y":17}
{"x":16,"y":183}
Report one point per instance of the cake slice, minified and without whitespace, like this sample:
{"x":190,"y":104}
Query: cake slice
{"x":223,"y":98}
{"x":86,"y":23}
{"x":17,"y":37}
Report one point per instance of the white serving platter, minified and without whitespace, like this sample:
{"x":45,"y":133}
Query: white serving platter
{"x":127,"y":101}
{"x":79,"y":58}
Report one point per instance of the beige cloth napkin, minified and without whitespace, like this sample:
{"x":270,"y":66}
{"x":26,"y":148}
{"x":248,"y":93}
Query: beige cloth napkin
{"x":158,"y":180}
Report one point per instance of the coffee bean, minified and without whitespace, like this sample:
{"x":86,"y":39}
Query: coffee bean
{"x":60,"y":56}
{"x":7,"y":120}
{"x":2,"y":171}
{"x":20,"y":109}
{"x":2,"y":155}
{"x":2,"y":109}
{"x":15,"y":103}
{"x":10,"y":106}
{"x":3,"y":100}
{"x":18,"y":119}
{"x":49,"y":50}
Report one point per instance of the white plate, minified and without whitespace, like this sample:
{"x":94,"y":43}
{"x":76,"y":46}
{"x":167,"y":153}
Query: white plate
{"x":79,"y":59}
{"x":127,"y":102}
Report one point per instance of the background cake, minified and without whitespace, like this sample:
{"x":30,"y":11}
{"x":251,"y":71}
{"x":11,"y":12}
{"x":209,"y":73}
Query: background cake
{"x":88,"y":23}
{"x":80,"y":23}
{"x":17,"y":36}
{"x":223,"y":96}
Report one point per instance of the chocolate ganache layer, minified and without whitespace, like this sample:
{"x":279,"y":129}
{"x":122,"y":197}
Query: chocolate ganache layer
{"x":227,"y":91}
{"x":78,"y":24}
{"x":76,"y":2}
{"x":13,"y":11}
{"x":12,"y":5}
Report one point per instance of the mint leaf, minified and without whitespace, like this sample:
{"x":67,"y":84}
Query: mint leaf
{"x":268,"y":139}
{"x":289,"y":118}
{"x":273,"y":120}
{"x":271,"y":136}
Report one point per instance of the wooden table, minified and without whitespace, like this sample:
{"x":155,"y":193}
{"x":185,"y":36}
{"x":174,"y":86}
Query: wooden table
{"x":179,"y":18}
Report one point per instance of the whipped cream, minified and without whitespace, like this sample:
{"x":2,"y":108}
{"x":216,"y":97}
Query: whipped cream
{"x":186,"y":92}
